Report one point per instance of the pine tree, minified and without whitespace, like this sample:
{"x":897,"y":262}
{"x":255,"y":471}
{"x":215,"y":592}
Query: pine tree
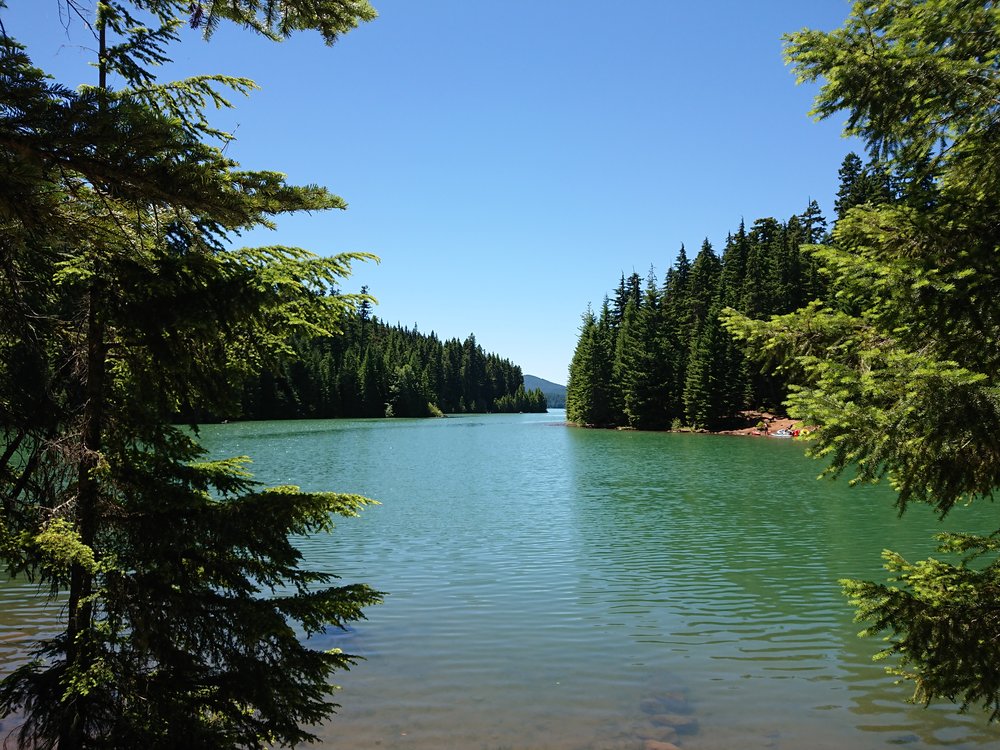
{"x":589,"y":395}
{"x":700,"y":390}
{"x":705,"y":405}
{"x":122,"y":304}
{"x":850,"y":192}
{"x":704,"y":286}
{"x":581,"y":384}
{"x":674,"y":330}
{"x":813,"y":223}
{"x":640,"y":366}
{"x":901,"y":374}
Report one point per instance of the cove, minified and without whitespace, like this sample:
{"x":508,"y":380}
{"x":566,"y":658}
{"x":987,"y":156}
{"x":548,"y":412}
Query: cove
{"x":553,"y":588}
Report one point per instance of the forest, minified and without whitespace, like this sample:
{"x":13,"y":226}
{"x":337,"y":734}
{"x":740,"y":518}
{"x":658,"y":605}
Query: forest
{"x":656,"y":356}
{"x":373,"y":369}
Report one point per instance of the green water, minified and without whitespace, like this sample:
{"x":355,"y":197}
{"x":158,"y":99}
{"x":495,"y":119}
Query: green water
{"x":547,"y":585}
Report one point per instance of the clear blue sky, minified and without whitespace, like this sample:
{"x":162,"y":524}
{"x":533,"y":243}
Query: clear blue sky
{"x":508,"y":161}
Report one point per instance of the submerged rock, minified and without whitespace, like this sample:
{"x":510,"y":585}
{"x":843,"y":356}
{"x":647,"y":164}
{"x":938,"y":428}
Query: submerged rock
{"x":657,"y":745}
{"x":683,"y":723}
{"x":661,"y":733}
{"x":667,"y":703}
{"x":621,"y":744}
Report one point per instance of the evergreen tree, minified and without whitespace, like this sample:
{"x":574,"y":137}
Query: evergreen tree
{"x":815,"y":233}
{"x":788,"y":286}
{"x":705,"y":405}
{"x":589,"y":398}
{"x":640,"y":367}
{"x":122,"y":303}
{"x":759,"y":289}
{"x":628,"y":289}
{"x":704,"y":287}
{"x":581,"y":384}
{"x":813,"y":224}
{"x":675,"y":327}
{"x":699,"y":391}
{"x":850,"y":192}
{"x":861,"y":184}
{"x":677,"y":285}
{"x":370,"y":370}
{"x":409,"y":395}
{"x":522,"y":400}
{"x":474,"y":393}
{"x":901,"y":375}
{"x":672,"y":360}
{"x":608,"y":403}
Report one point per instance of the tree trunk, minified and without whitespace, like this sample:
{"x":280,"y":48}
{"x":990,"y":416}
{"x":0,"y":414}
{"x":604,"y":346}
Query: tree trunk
{"x":79,"y":628}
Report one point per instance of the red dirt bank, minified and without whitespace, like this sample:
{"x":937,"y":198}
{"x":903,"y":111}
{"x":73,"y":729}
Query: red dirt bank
{"x":773,"y":424}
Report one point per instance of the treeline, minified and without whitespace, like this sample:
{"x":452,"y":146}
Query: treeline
{"x":657,"y":357}
{"x":377,"y":370}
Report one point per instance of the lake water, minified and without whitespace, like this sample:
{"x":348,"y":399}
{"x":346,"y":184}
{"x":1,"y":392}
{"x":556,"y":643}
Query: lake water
{"x":552,"y":588}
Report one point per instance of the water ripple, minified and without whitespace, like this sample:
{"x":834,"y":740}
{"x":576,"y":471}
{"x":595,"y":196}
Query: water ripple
{"x":546,"y":585}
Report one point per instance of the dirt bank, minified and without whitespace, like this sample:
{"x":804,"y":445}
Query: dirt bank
{"x":770,"y":422}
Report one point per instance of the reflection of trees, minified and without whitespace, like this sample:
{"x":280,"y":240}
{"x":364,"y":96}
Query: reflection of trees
{"x":726,"y":552}
{"x":24,"y":617}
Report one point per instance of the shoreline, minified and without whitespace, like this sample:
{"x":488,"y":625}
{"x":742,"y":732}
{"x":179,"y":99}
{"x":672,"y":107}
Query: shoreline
{"x":752,"y":426}
{"x":773,"y":424}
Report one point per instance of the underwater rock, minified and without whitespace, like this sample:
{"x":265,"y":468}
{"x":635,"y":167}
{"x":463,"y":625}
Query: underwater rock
{"x":683,"y":723}
{"x":661,"y":733}
{"x":657,"y":745}
{"x":667,"y":703}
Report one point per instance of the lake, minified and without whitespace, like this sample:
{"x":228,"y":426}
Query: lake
{"x":553,"y":588}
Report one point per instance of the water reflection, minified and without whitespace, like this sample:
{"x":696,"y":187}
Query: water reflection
{"x":727,"y":552}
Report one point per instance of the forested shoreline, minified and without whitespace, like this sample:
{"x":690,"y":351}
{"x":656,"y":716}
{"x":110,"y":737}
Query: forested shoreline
{"x":656,"y":356}
{"x":374,"y":369}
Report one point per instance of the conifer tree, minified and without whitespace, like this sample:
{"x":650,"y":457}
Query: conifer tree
{"x":122,"y":304}
{"x":474,"y":394}
{"x":700,"y":389}
{"x":581,"y":383}
{"x":674,"y":329}
{"x":759,"y":288}
{"x":851,"y":190}
{"x":813,"y":224}
{"x":705,"y":405}
{"x":641,"y":370}
{"x":901,"y":374}
{"x":861,"y":184}
{"x":788,"y":283}
{"x":590,"y":399}
{"x":814,"y":285}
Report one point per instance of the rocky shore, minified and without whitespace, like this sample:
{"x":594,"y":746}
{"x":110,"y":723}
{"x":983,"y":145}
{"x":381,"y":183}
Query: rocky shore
{"x":761,"y":424}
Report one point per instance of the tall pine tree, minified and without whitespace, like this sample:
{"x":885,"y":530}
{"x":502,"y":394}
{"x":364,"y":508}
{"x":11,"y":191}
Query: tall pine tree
{"x":185,"y":599}
{"x":900,"y":370}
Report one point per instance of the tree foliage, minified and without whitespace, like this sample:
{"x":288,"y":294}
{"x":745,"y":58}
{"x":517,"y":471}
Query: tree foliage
{"x":899,"y":366}
{"x":658,"y":356}
{"x":122,"y":301}
{"x":373,"y":369}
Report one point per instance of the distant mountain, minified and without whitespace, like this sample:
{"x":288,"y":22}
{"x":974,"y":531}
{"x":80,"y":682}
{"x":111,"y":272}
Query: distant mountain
{"x":555,"y":394}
